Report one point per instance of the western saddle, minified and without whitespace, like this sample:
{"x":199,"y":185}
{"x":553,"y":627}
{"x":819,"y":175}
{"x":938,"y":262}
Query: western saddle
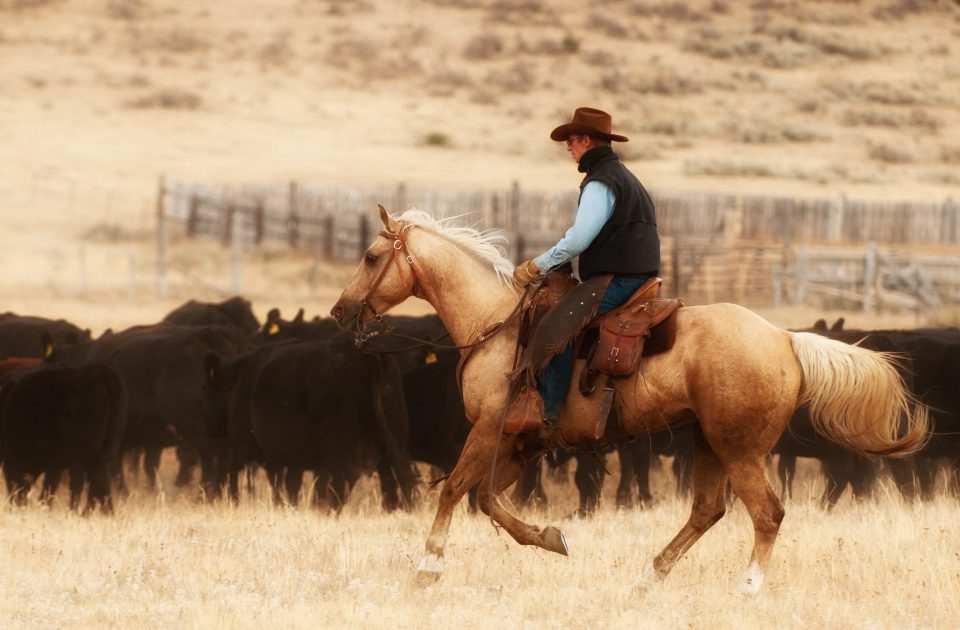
{"x":612,"y":344}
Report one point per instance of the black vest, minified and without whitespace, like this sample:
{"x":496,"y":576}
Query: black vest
{"x":628,"y":243}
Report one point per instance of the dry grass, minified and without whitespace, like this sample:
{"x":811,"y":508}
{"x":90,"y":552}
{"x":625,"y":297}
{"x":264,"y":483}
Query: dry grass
{"x":162,"y":561}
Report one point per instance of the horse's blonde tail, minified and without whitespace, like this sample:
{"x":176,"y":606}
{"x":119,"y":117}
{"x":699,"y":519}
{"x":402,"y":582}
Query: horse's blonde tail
{"x":857,"y":398}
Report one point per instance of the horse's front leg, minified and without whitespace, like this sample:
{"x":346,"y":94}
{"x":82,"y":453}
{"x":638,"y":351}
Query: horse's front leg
{"x":509,"y":468}
{"x":472,"y":465}
{"x":472,"y":468}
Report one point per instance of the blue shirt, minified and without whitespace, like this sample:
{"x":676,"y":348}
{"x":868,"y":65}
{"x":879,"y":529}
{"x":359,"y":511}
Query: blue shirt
{"x":596,"y":208}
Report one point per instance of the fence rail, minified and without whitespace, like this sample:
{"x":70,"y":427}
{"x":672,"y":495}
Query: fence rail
{"x":748,"y":249}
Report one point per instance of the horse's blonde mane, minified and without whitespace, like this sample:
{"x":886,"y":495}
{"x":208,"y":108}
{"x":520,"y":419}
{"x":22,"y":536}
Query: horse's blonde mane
{"x":486,"y":245}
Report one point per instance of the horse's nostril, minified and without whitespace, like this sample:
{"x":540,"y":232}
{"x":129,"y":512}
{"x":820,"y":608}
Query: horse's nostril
{"x":336,"y":312}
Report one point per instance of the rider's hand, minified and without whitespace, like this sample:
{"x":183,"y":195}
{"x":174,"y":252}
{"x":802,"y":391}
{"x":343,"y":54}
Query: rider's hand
{"x":525,"y":272}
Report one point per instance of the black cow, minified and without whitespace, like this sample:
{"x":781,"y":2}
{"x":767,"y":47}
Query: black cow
{"x":320,"y":406}
{"x":22,"y":335}
{"x":55,"y":418}
{"x":438,"y":424}
{"x":164,"y":371}
{"x":235,"y":312}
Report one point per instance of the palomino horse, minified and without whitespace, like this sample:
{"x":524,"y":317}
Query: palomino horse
{"x":731,"y":373}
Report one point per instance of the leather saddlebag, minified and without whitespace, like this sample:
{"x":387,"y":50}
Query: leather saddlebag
{"x":620,"y":345}
{"x":525,"y":412}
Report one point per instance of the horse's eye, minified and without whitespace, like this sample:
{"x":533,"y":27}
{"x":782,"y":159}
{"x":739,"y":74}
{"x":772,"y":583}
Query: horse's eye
{"x":371,"y":259}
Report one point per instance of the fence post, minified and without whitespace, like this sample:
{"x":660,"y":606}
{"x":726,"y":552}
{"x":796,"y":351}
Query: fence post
{"x":227,"y":213}
{"x":161,"y":241}
{"x":515,"y":206}
{"x":328,"y":237}
{"x":293,"y":218}
{"x":520,"y":253}
{"x":193,"y":215}
{"x":675,"y":267}
{"x":950,"y":218}
{"x":870,"y":279}
{"x":236,"y":243}
{"x":401,"y":198}
{"x":495,"y":220}
{"x":364,"y":238}
{"x":259,"y":217}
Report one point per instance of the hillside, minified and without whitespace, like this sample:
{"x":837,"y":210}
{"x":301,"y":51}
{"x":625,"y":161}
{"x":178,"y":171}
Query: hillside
{"x":101,"y":97}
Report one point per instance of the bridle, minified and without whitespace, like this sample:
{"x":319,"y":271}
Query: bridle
{"x":399,"y":249}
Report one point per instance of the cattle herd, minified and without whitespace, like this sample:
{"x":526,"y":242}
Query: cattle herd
{"x":231,"y":393}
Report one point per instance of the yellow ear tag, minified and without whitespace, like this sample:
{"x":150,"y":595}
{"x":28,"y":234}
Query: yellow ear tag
{"x":274,"y":329}
{"x":48,"y":351}
{"x":431,"y":358}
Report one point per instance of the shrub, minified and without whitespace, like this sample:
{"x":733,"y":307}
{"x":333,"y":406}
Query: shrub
{"x":167,"y":98}
{"x":921,"y":119}
{"x":126,"y":9}
{"x":724,"y":168}
{"x":278,"y":51}
{"x":345,"y":50}
{"x":675,"y":11}
{"x":666,"y":83}
{"x":871,"y":118}
{"x":484,"y":46}
{"x":896,"y":11}
{"x":437,"y":139}
{"x":950,"y":154}
{"x":890,"y":154}
{"x":181,"y":41}
{"x":611,"y":27}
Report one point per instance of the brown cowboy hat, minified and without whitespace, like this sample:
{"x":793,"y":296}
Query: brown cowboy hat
{"x":587,"y":121}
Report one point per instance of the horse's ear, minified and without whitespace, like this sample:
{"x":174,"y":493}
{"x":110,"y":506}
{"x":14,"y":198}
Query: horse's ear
{"x":837,"y":325}
{"x":820,"y":325}
{"x":388,"y":223}
{"x":299,"y":318}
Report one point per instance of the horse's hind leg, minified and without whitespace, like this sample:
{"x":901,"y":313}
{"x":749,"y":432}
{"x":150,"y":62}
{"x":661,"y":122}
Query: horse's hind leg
{"x":709,"y":505}
{"x":750,"y":483}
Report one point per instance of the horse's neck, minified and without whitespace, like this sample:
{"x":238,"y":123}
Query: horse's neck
{"x":466,"y":293}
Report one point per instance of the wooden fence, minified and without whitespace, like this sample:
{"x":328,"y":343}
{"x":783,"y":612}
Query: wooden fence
{"x":754,"y":250}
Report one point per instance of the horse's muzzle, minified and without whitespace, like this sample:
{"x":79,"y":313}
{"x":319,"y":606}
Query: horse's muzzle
{"x":347,"y":318}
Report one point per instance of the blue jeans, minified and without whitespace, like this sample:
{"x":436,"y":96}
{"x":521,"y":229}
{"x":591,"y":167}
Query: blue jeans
{"x":555,"y":381}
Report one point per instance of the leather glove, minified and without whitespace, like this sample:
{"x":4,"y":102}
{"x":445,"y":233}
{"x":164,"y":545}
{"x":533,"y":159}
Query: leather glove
{"x":525,"y":272}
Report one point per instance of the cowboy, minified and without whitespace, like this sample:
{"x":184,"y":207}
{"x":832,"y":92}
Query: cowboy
{"x":614,"y":232}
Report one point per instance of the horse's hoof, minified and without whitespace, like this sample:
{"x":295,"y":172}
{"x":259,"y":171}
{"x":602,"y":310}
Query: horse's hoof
{"x":429,"y":570}
{"x":554,"y":541}
{"x":752,"y":580}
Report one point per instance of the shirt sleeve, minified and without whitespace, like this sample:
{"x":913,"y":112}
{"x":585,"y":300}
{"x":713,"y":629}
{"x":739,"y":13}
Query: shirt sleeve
{"x":596,"y":208}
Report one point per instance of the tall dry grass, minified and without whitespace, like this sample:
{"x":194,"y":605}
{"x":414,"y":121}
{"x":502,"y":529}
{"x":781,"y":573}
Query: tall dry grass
{"x":170,"y":562}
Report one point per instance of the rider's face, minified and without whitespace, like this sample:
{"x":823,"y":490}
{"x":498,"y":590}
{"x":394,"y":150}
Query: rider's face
{"x":577,"y":146}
